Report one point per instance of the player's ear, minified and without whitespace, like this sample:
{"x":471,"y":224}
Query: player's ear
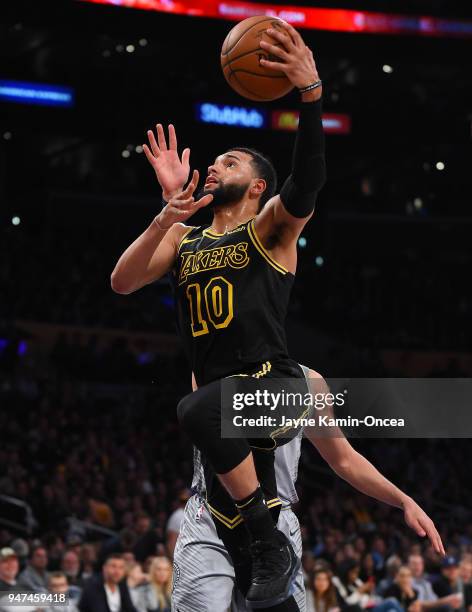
{"x":258,"y":186}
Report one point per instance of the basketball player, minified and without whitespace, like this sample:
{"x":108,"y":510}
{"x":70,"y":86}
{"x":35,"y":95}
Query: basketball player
{"x":232,"y":284}
{"x":205,"y":572}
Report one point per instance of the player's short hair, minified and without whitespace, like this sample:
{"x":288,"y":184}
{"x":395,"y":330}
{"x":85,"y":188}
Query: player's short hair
{"x":264,"y":169}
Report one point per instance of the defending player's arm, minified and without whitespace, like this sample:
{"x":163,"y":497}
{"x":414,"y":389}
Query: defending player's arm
{"x":153,"y":253}
{"x":292,"y":208}
{"x":355,"y":469}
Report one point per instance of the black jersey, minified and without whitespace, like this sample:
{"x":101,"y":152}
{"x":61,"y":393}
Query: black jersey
{"x":231,"y":300}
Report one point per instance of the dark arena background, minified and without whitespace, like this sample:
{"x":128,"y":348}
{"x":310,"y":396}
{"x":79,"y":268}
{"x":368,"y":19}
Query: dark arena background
{"x":92,"y":460}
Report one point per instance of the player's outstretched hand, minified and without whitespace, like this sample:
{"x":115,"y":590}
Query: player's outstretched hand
{"x":172,"y":172}
{"x":417,"y":519}
{"x":183,"y":205}
{"x":295,"y":59}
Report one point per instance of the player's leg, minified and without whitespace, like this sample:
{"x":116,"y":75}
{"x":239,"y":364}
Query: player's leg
{"x":274,"y":562}
{"x":235,"y":544}
{"x":288,"y":523}
{"x":203,"y":570}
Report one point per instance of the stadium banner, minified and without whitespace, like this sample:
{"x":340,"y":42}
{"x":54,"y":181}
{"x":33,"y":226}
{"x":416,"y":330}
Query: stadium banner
{"x":21,"y":92}
{"x":329,"y":19}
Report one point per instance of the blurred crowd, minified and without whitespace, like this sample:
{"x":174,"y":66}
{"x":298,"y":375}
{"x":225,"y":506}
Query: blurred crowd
{"x":104,"y":469}
{"x":404,"y":299}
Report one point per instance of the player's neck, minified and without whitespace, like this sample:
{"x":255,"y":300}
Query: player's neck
{"x":226,"y":218}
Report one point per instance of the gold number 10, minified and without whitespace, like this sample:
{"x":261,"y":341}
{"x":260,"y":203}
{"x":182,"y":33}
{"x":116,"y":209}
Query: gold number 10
{"x":218,"y":306}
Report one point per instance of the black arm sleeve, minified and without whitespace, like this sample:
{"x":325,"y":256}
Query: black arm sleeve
{"x":308,"y":175}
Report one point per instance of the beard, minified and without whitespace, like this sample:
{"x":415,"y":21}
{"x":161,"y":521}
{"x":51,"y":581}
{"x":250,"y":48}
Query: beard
{"x":224,"y":194}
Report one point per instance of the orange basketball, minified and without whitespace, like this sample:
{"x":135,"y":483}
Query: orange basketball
{"x":240,"y":57}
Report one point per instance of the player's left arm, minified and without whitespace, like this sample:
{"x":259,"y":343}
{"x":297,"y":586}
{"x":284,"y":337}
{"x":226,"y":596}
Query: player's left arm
{"x":288,"y":212}
{"x":355,"y":469}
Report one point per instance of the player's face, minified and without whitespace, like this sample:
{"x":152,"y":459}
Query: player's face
{"x":229,"y":178}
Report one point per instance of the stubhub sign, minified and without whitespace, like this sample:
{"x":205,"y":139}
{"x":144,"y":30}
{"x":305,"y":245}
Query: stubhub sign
{"x":223,"y":114}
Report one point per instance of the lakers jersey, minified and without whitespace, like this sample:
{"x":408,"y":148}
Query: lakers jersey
{"x":231,"y":299}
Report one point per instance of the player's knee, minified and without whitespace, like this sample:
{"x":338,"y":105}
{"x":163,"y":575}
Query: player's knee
{"x":189,"y":413}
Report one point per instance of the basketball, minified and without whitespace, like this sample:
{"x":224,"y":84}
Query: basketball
{"x":240,"y":55}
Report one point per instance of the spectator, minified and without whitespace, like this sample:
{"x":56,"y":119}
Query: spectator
{"x":173,"y":524}
{"x":402,"y":590}
{"x":450,"y":582}
{"x":421,"y":583}
{"x":9,"y":567}
{"x":321,"y":594}
{"x":58,"y":584}
{"x":391,"y":566}
{"x":147,"y":538}
{"x":89,"y":558}
{"x":35,"y":577}
{"x":136,"y":581}
{"x":108,"y":592}
{"x":465,"y":570}
{"x":353,"y":593}
{"x":21,"y":548}
{"x":158,"y":592}
{"x":368,"y":569}
{"x":70,"y":565}
{"x":428,"y":598}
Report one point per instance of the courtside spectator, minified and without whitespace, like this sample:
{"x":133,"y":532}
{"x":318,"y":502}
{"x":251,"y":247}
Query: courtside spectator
{"x":35,"y":576}
{"x":426,"y":595}
{"x":321,"y":594}
{"x":157,"y":592}
{"x":58,"y":584}
{"x":70,"y":565}
{"x":88,"y":556}
{"x":352,"y":592}
{"x":136,"y":580}
{"x":109,"y":591}
{"x":403,"y":592}
{"x":465,"y":570}
{"x":392,"y":566}
{"x":9,"y":567}
{"x":450,"y":582}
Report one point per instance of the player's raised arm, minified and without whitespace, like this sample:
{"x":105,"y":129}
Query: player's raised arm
{"x":153,"y":253}
{"x":355,"y":469}
{"x":294,"y":206}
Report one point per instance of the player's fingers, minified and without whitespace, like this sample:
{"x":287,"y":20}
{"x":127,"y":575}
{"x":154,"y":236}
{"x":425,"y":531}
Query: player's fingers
{"x":279,"y":66}
{"x":182,"y":207}
{"x":416,"y":526}
{"x":282,"y":37}
{"x":191,"y":186}
{"x":204,"y":201}
{"x":161,"y":139}
{"x":149,"y":155}
{"x":292,"y":32}
{"x":435,"y":539}
{"x":186,"y":157}
{"x":276,"y":50}
{"x":153,"y":143}
{"x":172,"y":138}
